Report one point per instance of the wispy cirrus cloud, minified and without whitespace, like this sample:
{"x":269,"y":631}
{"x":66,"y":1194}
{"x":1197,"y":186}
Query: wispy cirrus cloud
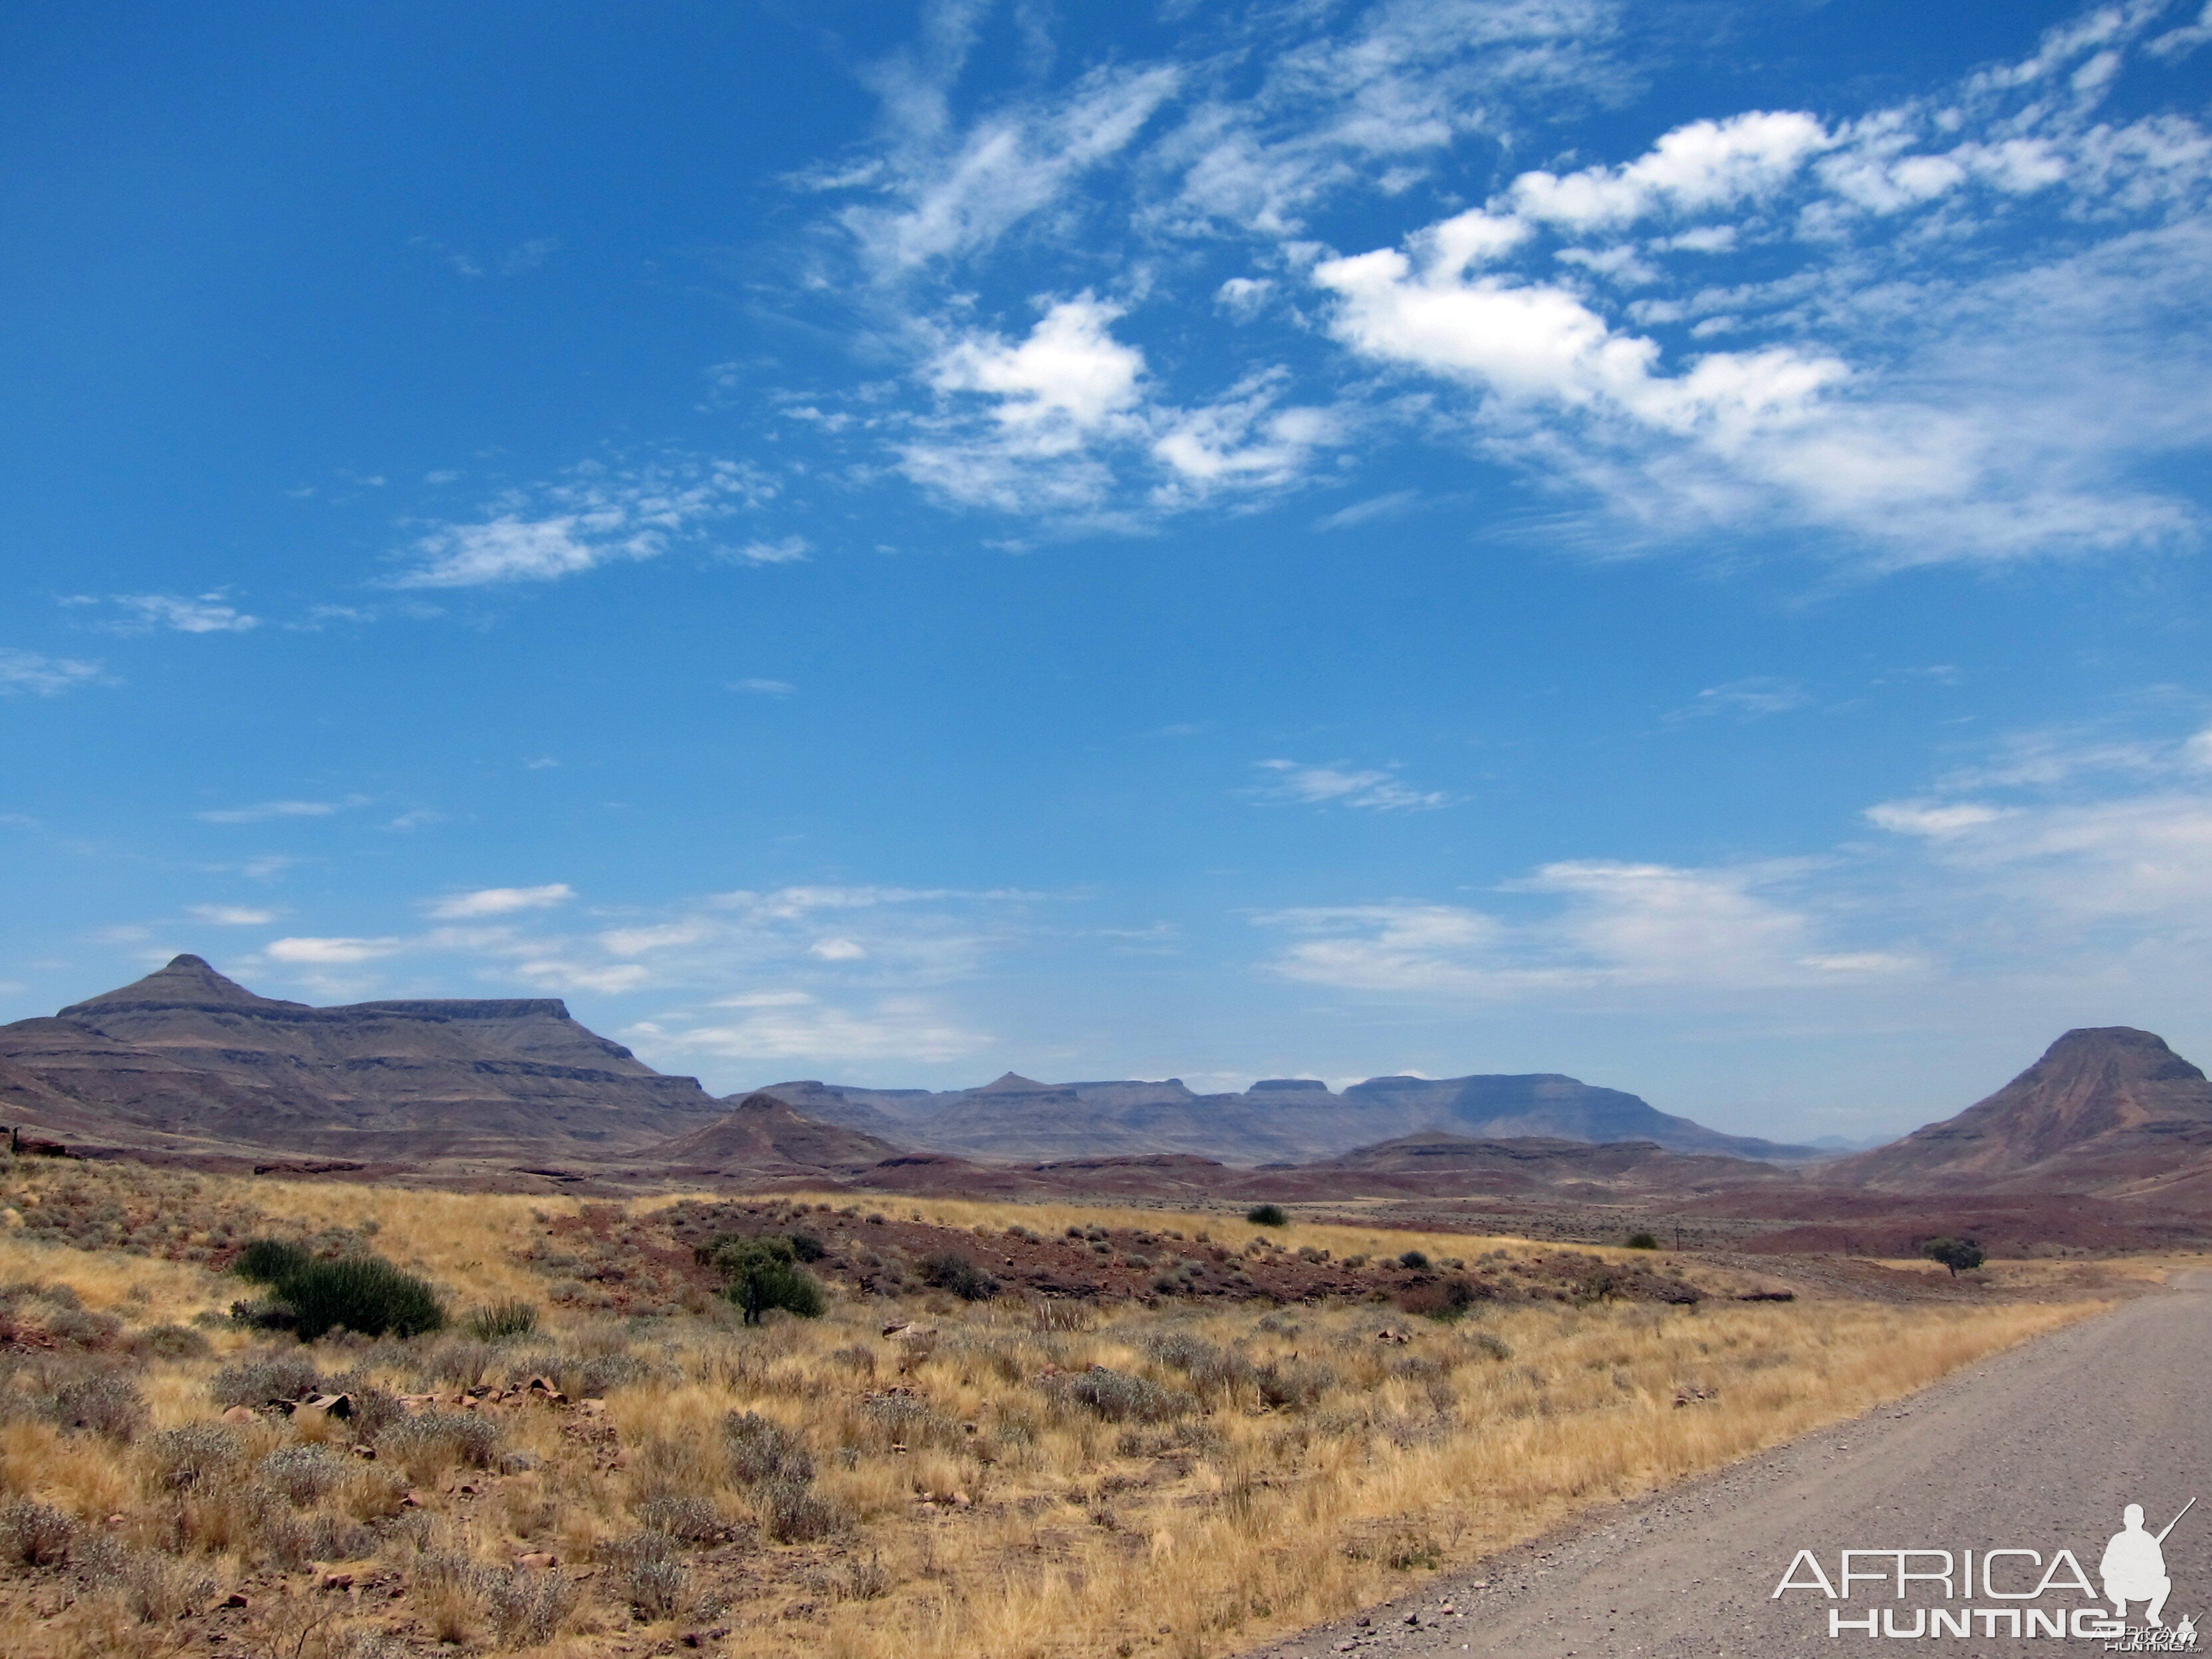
{"x":501,"y":901}
{"x":263,"y":811}
{"x":330,"y":952}
{"x":204,"y":613}
{"x":1612,"y":926}
{"x":600,"y":514}
{"x":42,"y":676}
{"x":1369,"y":789}
{"x":231,"y":915}
{"x":796,"y":1025}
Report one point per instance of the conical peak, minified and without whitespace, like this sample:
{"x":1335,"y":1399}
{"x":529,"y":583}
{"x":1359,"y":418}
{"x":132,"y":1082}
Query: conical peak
{"x":186,"y":981}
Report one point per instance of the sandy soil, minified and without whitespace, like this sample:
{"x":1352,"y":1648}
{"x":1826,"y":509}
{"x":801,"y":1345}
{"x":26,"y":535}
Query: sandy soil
{"x":2039,"y":1449}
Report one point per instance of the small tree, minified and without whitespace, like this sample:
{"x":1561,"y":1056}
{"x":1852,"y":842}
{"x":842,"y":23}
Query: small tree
{"x":1642,"y":1241}
{"x":760,"y":1273}
{"x":1267,"y":1215}
{"x":1956,"y":1253}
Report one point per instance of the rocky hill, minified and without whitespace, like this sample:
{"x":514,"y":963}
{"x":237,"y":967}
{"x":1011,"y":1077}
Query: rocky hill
{"x":2108,"y":1109}
{"x":1278,"y":1120}
{"x":186,"y":1059}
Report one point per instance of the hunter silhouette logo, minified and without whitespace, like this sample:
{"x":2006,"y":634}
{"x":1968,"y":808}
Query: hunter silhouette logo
{"x":2134,"y":1567}
{"x":2019,"y":1593}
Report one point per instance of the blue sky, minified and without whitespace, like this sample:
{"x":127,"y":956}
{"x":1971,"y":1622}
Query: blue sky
{"x":1663,"y":542}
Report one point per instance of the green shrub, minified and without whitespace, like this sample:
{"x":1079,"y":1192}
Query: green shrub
{"x":807,"y":1248}
{"x":1267,"y":1215}
{"x":363,"y":1293}
{"x":954,"y":1271}
{"x":760,"y":1273}
{"x":1642,"y":1241}
{"x":270,"y":1261}
{"x":502,"y":1321}
{"x":1412,"y":1259}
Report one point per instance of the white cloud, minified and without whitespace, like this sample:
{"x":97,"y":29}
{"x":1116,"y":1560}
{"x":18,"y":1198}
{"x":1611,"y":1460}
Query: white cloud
{"x":42,"y":676}
{"x":794,"y":1026}
{"x":766,"y":688}
{"x":1537,"y":342}
{"x":1930,"y":818}
{"x":607,"y":979}
{"x":501,"y":901}
{"x":1240,"y":440}
{"x":331,"y":952}
{"x":1368,"y":790}
{"x":1068,"y":378}
{"x":1336,"y":111}
{"x":789,"y":550}
{"x":209,"y":613}
{"x":1613,"y":926}
{"x":1069,"y":396}
{"x":262,"y":811}
{"x":838,"y":950}
{"x":1747,"y":699}
{"x":956,"y":195}
{"x":231,"y":915}
{"x":600,"y":514}
{"x":1697,"y":166}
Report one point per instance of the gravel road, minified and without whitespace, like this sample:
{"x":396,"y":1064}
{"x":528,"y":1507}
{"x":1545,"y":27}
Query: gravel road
{"x":2039,"y":1449}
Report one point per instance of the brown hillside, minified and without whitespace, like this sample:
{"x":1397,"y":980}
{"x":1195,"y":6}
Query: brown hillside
{"x":761,"y":1135}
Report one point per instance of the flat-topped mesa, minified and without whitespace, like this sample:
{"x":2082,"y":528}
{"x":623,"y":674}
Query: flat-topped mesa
{"x":1278,"y":1120}
{"x":187,"y":1054}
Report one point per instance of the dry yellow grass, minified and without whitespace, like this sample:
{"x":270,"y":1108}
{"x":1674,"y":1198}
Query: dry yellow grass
{"x":978,"y":1507}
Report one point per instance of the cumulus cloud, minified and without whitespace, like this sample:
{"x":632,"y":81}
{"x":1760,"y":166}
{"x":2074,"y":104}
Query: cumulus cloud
{"x":501,"y":901}
{"x":1699,"y":167}
{"x":1959,"y":326}
{"x":1070,"y":402}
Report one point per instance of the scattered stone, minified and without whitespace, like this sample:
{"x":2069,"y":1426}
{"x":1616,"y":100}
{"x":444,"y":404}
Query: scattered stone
{"x":236,"y":1599}
{"x":541,"y":1560}
{"x":241,"y":1414}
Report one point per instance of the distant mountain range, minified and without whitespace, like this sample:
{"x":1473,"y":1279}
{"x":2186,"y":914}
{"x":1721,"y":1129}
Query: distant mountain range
{"x":186,"y":1063}
{"x":1277,"y":1120}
